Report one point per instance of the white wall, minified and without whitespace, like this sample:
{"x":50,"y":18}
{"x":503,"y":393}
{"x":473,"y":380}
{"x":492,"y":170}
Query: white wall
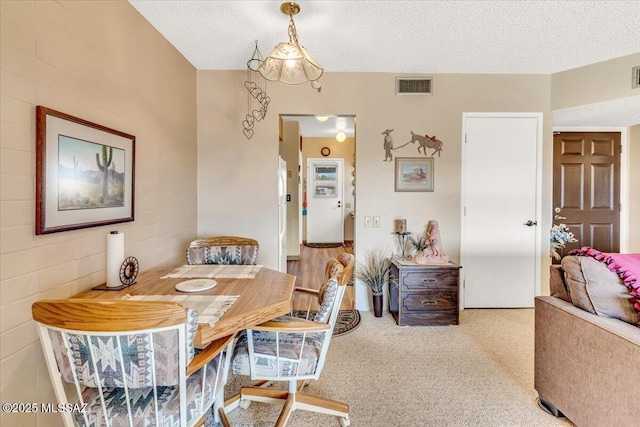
{"x":102,"y":62}
{"x":290,"y":152}
{"x":634,"y":189}
{"x":603,"y":81}
{"x":237,"y":188}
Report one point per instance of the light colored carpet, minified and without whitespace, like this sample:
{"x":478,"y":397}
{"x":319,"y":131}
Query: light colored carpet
{"x":479,"y":373}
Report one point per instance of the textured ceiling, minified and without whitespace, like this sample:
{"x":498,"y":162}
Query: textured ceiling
{"x":521,"y":37}
{"x":618,"y":112}
{"x":512,"y":37}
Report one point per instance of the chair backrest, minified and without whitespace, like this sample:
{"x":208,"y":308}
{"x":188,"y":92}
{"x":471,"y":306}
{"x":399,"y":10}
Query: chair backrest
{"x":341,"y":268}
{"x":132,"y":347}
{"x":296,"y":355}
{"x":348,"y":262}
{"x":223,"y":250}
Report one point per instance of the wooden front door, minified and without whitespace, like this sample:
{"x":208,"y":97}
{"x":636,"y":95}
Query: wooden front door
{"x":586,"y":188}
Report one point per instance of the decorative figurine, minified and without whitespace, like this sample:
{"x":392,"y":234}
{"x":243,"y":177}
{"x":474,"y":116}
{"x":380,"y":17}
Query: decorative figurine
{"x":435,"y":252}
{"x":388,"y":145}
{"x":427,"y":141}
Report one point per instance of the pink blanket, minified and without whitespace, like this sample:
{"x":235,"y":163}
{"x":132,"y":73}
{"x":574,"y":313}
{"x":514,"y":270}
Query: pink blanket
{"x":626,"y":266}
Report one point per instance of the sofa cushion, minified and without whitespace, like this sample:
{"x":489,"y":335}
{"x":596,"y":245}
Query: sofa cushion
{"x":596,"y":289}
{"x":557,"y":285}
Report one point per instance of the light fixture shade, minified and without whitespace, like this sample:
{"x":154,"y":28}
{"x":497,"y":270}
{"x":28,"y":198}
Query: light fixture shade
{"x":290,"y":63}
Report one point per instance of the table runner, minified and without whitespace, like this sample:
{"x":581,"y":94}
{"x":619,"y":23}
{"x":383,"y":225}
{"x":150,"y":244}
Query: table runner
{"x":210,"y":308}
{"x":214,"y":271}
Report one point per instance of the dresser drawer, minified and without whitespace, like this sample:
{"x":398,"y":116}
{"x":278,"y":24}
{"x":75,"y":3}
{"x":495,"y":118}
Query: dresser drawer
{"x":429,"y":301}
{"x":424,"y":294}
{"x":431,"y":318}
{"x":441,"y":279}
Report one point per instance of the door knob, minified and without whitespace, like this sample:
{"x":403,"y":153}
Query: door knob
{"x":531,"y":223}
{"x":558,"y":217}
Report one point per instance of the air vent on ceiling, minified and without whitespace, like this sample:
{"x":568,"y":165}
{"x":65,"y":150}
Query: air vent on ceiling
{"x":635,"y":76}
{"x":414,"y":86}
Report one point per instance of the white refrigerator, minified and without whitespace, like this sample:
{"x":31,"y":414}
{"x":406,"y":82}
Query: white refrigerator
{"x":282,"y":215}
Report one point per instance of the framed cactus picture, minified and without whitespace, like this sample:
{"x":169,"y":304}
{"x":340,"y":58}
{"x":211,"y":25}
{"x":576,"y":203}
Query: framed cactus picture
{"x":84,"y":173}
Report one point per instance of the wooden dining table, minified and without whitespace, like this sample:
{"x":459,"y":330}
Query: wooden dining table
{"x":262,"y":298}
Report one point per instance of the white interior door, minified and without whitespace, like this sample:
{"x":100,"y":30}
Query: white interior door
{"x":325,"y":215}
{"x":501,"y":199}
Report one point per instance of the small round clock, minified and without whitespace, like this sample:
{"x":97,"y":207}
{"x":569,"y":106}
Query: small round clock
{"x":325,"y":151}
{"x":129,"y":271}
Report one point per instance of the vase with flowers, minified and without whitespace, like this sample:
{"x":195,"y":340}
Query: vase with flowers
{"x":560,"y":236}
{"x":420,"y":243}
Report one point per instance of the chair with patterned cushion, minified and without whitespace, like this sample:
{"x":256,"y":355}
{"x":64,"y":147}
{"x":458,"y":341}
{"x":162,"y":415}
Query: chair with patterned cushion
{"x":131,"y":363}
{"x":306,"y":296}
{"x":294,"y":350}
{"x":223,"y":250}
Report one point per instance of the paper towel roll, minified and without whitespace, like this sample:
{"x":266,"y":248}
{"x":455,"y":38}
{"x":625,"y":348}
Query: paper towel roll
{"x":115,"y":256}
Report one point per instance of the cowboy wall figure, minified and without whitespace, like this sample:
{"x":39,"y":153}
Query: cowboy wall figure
{"x":388,"y":145}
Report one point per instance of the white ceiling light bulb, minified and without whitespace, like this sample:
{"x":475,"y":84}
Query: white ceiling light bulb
{"x":340,"y":136}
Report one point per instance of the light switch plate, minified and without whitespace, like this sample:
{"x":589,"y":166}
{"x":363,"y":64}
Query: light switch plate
{"x":376,"y":222}
{"x":367,"y":222}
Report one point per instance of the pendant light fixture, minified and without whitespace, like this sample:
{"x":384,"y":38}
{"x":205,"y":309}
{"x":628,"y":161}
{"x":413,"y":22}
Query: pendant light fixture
{"x":290,"y":62}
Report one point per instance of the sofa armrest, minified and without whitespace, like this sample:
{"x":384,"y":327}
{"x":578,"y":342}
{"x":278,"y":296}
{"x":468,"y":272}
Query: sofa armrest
{"x":584,"y":364}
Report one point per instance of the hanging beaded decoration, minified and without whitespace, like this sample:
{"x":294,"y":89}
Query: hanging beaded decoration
{"x":257,"y":100}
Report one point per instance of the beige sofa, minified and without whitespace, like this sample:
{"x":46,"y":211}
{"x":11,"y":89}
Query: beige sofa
{"x":587,"y":364}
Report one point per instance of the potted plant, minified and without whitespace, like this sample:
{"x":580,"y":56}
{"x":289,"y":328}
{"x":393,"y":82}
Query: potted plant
{"x":420,"y":244}
{"x":374,"y":272}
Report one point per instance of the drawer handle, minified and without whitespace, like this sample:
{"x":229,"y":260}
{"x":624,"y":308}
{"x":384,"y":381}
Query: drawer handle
{"x":429,"y":281}
{"x":429,"y":302}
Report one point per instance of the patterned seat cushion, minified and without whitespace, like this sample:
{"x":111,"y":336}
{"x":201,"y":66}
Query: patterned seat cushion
{"x":136,"y":350}
{"x":142,"y":402}
{"x":347,"y":259}
{"x":333,"y":269}
{"x":329,"y":291}
{"x":264,"y":347}
{"x":226,"y":255}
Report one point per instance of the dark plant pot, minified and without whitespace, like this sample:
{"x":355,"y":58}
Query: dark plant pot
{"x":377,"y":305}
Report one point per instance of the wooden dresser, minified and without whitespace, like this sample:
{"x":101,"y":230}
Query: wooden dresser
{"x":424,"y":294}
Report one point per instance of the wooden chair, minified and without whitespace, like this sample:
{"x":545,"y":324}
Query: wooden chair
{"x":294,"y":350}
{"x":223,"y":250}
{"x":131,"y":362}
